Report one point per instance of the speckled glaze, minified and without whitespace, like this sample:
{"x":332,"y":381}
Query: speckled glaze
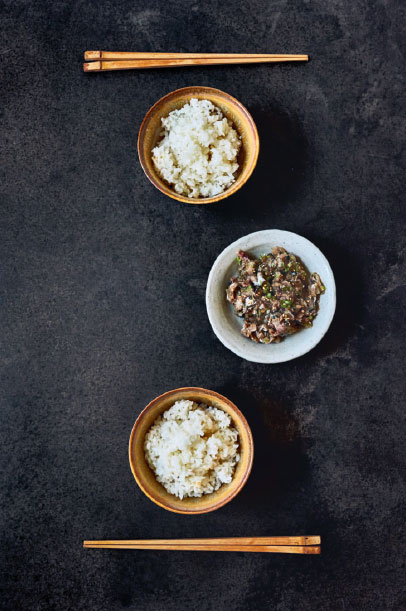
{"x":144,"y":476}
{"x":227,"y":326}
{"x":151,"y":128}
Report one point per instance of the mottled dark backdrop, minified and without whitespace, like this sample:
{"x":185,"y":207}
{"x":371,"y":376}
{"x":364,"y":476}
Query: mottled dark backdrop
{"x":102,"y":299}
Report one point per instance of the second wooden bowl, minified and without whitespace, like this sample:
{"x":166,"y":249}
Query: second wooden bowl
{"x":145,"y":477}
{"x":150,"y":134}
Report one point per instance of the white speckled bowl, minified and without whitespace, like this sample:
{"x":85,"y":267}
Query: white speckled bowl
{"x":227,"y":326}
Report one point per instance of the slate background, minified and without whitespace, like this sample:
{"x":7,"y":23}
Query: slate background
{"x":102,"y":293}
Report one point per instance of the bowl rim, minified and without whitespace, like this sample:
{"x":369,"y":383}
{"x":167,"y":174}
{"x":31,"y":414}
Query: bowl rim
{"x":204,"y":200}
{"x":250,"y":451}
{"x":211,"y":286}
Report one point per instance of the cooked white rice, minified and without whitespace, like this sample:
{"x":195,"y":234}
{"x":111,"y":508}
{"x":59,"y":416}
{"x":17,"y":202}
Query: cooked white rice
{"x":192,"y":449}
{"x":198,"y":151}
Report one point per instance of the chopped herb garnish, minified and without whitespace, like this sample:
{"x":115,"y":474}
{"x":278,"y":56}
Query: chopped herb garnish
{"x":239,"y":260}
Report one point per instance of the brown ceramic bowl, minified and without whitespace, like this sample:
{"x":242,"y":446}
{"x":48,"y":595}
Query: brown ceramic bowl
{"x":145,"y":477}
{"x":149,"y":136}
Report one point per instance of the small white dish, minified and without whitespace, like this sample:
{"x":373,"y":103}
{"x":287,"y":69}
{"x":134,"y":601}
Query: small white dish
{"x":227,"y":325}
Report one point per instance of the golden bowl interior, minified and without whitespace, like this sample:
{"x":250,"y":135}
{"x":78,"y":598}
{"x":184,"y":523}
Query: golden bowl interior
{"x":146,"y":478}
{"x":150,"y":134}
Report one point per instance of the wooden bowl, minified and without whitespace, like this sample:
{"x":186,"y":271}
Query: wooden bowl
{"x":150,"y":130}
{"x":144,"y":476}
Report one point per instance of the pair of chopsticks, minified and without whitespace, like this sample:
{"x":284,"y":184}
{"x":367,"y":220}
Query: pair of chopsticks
{"x":99,"y":61}
{"x":281,"y":545}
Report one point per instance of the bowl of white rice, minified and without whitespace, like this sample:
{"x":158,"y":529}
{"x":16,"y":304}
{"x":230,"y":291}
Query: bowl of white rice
{"x":191,"y":450}
{"x":198,"y":145}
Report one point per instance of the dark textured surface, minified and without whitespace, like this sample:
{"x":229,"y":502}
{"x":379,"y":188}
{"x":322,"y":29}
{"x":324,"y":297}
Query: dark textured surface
{"x":102,"y":294}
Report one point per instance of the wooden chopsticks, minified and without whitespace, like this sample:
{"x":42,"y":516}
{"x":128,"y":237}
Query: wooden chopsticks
{"x":124,"y":55}
{"x":281,"y":545}
{"x":99,"y":61}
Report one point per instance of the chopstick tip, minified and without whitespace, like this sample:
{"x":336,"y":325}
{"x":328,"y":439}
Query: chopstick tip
{"x":92,"y":55}
{"x":92,"y":67}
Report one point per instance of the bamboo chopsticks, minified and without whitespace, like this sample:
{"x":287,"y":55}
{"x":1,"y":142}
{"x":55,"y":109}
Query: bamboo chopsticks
{"x":99,"y":61}
{"x":281,"y":545}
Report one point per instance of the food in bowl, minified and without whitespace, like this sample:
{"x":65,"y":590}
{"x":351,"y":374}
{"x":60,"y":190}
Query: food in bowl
{"x":274,"y":294}
{"x":197,"y":154}
{"x":192,"y":448}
